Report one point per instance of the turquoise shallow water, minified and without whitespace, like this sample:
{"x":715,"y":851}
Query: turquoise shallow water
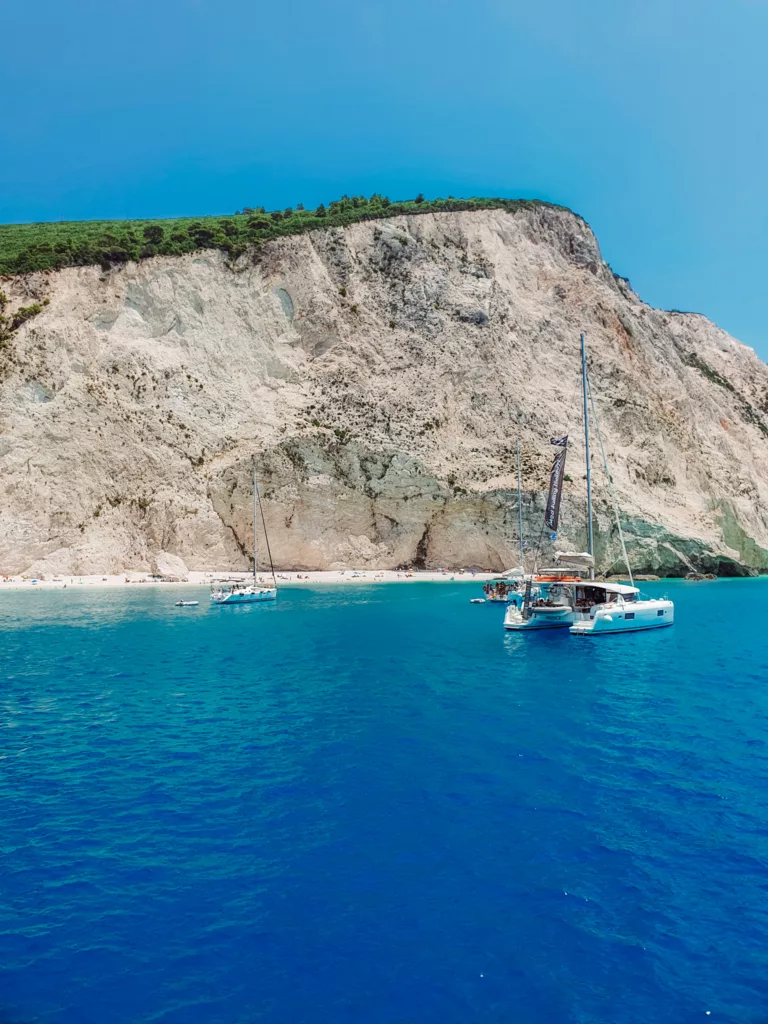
{"x":372,"y":805}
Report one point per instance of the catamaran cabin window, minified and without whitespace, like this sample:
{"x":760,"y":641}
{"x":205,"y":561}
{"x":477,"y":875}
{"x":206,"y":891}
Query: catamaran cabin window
{"x":587,"y":596}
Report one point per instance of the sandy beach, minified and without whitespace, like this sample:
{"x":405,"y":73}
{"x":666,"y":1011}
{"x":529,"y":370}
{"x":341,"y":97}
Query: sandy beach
{"x":284,"y":578}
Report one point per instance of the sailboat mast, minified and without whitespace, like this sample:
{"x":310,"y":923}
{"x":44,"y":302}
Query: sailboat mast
{"x":257,"y":501}
{"x":519,"y":504}
{"x":590,"y":539}
{"x":255,"y":538}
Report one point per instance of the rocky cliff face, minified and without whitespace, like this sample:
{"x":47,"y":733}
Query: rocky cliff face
{"x":379,"y":375}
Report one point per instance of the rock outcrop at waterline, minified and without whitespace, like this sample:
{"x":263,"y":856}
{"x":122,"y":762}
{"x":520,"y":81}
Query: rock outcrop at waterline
{"x":379,"y":374}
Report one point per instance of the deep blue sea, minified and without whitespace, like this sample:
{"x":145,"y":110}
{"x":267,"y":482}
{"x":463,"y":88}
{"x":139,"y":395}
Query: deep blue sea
{"x":368,"y":805}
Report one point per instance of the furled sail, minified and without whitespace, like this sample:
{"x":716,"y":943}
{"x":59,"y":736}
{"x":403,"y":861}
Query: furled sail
{"x":579,"y":559}
{"x":552,"y":513}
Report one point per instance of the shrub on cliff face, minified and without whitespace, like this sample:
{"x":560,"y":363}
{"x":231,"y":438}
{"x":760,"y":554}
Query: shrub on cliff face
{"x":25,"y":313}
{"x":9,"y":324}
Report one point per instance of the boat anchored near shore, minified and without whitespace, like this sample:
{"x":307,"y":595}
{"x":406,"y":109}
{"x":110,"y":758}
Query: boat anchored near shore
{"x":237,"y":591}
{"x":565,"y":596}
{"x":588,"y":607}
{"x":624,"y":612}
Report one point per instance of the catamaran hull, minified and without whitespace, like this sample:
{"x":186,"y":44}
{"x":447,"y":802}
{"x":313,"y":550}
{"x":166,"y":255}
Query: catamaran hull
{"x":551,"y":618}
{"x":631,"y":619}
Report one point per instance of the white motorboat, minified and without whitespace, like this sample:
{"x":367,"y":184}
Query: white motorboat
{"x":502,"y":590}
{"x":562,"y":597}
{"x":240,"y":591}
{"x":187,"y":604}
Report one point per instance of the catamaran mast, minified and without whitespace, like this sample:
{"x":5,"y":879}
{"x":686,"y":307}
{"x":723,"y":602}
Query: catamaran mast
{"x":590,"y":542}
{"x":519,"y":505}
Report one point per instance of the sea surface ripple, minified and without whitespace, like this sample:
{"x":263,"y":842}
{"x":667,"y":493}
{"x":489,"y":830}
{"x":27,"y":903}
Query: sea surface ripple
{"x":369,"y":804}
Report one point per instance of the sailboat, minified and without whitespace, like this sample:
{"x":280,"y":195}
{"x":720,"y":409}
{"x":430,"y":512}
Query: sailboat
{"x":241,"y":592}
{"x":507,"y":587}
{"x":568,"y":596}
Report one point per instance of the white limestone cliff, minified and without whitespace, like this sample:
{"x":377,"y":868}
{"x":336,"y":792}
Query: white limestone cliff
{"x":380,"y":375}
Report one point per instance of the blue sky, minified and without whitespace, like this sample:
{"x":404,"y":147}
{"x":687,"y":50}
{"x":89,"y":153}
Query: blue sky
{"x":647,"y":117}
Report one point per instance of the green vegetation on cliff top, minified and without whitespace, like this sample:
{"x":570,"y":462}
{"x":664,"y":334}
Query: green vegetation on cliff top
{"x":50,"y":246}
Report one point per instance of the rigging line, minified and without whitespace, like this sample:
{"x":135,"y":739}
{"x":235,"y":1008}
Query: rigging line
{"x":610,"y":481}
{"x":519,"y":507}
{"x":538,"y":548}
{"x":611,"y":564}
{"x":266,"y":535}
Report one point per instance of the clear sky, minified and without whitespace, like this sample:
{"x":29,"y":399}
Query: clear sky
{"x":648,"y":117}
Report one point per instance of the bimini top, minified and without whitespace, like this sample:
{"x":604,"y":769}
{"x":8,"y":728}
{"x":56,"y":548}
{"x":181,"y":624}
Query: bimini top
{"x":613,"y":588}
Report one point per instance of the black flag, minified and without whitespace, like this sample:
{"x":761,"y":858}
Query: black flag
{"x":552,"y":513}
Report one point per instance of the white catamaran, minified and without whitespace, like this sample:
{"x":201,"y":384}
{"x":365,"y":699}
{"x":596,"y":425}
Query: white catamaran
{"x":240,"y":591}
{"x":568,"y":596}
